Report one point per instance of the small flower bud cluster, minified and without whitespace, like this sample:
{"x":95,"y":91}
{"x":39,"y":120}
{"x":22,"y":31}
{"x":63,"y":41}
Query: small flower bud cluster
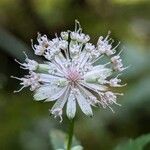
{"x":54,"y":48}
{"x":29,"y":64}
{"x":64,"y":35}
{"x":104,"y":47}
{"x":49,"y":48}
{"x":74,"y":48}
{"x":31,"y":80}
{"x":114,"y":82}
{"x":80,"y":37}
{"x":43,"y":43}
{"x":89,"y":47}
{"x":109,"y":98}
{"x":117,"y":63}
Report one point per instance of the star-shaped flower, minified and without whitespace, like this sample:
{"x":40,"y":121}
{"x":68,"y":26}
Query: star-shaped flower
{"x":72,"y":74}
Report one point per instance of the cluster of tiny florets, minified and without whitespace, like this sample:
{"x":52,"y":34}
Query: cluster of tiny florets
{"x":72,"y":73}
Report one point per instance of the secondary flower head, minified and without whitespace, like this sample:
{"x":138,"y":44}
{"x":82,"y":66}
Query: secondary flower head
{"x":72,"y":74}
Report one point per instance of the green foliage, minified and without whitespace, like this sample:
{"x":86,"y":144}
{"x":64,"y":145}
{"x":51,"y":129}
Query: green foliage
{"x":58,"y":140}
{"x":12,"y":45}
{"x":136,"y":144}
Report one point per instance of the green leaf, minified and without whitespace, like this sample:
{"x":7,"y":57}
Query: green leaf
{"x":135,"y":144}
{"x":58,"y":140}
{"x":12,"y":45}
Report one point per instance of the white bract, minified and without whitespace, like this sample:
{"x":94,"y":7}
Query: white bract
{"x":70,"y":76}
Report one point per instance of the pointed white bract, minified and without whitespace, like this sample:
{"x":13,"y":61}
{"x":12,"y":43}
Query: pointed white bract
{"x":70,"y":76}
{"x":71,"y":106}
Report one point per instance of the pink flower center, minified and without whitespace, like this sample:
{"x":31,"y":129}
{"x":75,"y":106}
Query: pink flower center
{"x":73,"y":75}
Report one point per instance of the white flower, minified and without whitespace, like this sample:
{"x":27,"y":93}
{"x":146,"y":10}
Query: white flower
{"x":104,"y":45}
{"x":70,"y":76}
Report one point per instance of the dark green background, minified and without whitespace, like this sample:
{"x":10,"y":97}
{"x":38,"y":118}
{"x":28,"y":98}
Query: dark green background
{"x":24,"y":123}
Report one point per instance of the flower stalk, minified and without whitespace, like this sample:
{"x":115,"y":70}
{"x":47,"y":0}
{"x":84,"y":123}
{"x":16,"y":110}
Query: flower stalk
{"x":70,"y":134}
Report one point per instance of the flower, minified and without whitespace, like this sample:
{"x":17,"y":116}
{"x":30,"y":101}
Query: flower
{"x":72,"y":74}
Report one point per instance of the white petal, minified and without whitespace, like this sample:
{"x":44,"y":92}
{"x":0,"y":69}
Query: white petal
{"x":98,"y":73}
{"x":62,"y":58}
{"x":88,"y":94}
{"x":97,"y":67}
{"x":94,"y":87}
{"x":59,"y":104}
{"x":71,"y":106}
{"x":45,"y":92}
{"x":59,"y":62}
{"x":52,"y":66}
{"x":42,"y":93}
{"x":83,"y":57}
{"x":84,"y":105}
{"x":56,"y":95}
{"x":84,"y":61}
{"x":48,"y":78}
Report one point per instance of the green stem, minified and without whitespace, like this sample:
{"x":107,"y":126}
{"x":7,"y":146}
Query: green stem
{"x":70,"y":134}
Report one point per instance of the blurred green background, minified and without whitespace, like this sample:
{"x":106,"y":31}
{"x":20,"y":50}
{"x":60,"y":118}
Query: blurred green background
{"x":24,"y":123}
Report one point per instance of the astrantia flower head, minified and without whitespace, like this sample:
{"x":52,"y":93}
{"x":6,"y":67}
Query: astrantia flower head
{"x":72,"y":74}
